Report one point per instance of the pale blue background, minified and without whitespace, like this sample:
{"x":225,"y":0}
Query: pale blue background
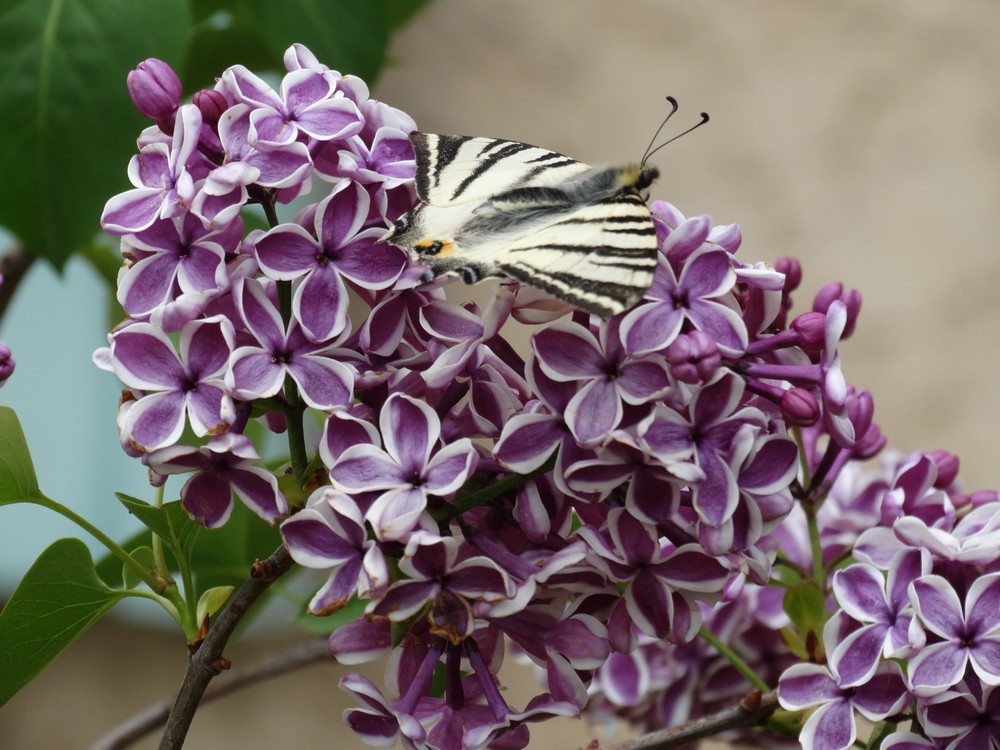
{"x":67,"y":409}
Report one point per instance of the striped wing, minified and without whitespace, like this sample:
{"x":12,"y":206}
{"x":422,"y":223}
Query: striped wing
{"x":454,"y":169}
{"x":599,"y":257}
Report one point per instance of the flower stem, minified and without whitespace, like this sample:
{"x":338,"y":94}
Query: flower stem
{"x":500,"y":488}
{"x":155,"y":582}
{"x":735,"y":659}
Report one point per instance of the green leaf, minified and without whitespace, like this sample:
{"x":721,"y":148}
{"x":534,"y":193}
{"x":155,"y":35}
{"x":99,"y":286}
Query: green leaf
{"x":68,"y":125}
{"x":350,"y":36}
{"x":170,"y":522}
{"x":805,"y":605}
{"x":17,"y":474}
{"x":58,"y":599}
{"x":142,"y":555}
{"x":402,"y":11}
{"x":211,"y":601}
{"x":222,"y":557}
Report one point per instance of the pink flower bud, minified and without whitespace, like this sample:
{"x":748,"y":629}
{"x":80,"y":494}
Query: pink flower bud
{"x":800,"y":407}
{"x":156,"y":91}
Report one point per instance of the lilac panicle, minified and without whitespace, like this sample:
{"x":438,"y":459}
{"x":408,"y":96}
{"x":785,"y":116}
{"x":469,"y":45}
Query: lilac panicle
{"x":596,"y":499}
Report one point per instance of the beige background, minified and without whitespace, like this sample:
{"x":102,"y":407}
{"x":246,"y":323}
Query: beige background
{"x":861,"y":137}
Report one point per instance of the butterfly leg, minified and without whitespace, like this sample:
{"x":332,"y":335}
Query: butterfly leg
{"x":471,"y":272}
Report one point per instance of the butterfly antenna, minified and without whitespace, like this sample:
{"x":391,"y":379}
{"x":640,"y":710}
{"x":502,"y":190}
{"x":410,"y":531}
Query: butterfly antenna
{"x":673,"y":109}
{"x":649,"y":153}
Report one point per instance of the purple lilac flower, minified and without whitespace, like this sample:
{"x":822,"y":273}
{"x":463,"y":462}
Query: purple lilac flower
{"x":226,"y":465}
{"x":716,"y":415}
{"x":698,"y":294}
{"x":882,"y":606}
{"x":164,"y":177}
{"x":610,"y":376}
{"x":338,"y":248}
{"x":258,"y":370}
{"x":970,"y":634}
{"x":172,"y":258}
{"x":329,"y":533}
{"x":188,"y":384}
{"x":435,"y":576}
{"x":306,"y":105}
{"x":411,"y":467}
{"x":661,"y":580}
{"x":967,"y":718}
{"x":832,"y":725}
{"x":156,"y":92}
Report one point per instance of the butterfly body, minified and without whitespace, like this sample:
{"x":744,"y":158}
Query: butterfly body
{"x":491,"y":207}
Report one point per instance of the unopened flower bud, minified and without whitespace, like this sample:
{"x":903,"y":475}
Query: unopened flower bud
{"x":6,"y":363}
{"x":156,"y":91}
{"x":800,"y":407}
{"x":852,"y":301}
{"x":792,"y":270}
{"x":693,"y":357}
{"x":212,"y":104}
{"x":947,"y":467}
{"x":811,"y":328}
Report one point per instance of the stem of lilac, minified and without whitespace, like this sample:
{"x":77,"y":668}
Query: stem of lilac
{"x":14,"y":267}
{"x":733,"y":658}
{"x":494,"y":700}
{"x":779,"y":340}
{"x":157,"y":584}
{"x":206,"y":662}
{"x":159,"y":561}
{"x":499,"y":488}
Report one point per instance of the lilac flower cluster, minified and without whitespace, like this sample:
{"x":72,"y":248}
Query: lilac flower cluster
{"x":595,"y":500}
{"x":922,"y":590}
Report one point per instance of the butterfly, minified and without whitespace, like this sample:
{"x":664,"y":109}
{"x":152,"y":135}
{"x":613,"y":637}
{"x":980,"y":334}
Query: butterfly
{"x":492,"y":207}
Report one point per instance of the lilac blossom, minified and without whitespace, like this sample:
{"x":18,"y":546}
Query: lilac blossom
{"x":226,"y":465}
{"x":967,"y":718}
{"x":699,"y":294}
{"x":189,"y":384}
{"x":329,"y":533}
{"x":164,"y":177}
{"x":305,"y":105}
{"x":610,"y":377}
{"x":882,"y":605}
{"x":258,"y":370}
{"x":970,"y":634}
{"x":832,"y":725}
{"x":338,"y":248}
{"x":410,"y":468}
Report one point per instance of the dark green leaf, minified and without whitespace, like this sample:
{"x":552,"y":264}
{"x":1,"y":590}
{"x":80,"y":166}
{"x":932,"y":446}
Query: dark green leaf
{"x":68,"y":125}
{"x":109,"y":566}
{"x":350,"y":36}
{"x":805,"y":605}
{"x":170,"y":522}
{"x":17,"y":474}
{"x":402,"y":11}
{"x":142,"y":555}
{"x":58,"y":599}
{"x":222,"y":557}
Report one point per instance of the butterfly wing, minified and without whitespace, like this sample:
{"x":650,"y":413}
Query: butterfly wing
{"x":599,"y":257}
{"x":456,"y":169}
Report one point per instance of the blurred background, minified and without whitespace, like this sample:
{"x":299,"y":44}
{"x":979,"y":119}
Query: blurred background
{"x":862,"y":138}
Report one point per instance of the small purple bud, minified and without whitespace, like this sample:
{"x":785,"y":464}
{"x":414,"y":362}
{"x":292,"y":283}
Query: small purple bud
{"x":852,"y":301}
{"x":811,"y":328}
{"x":693,"y":357}
{"x":212,"y":104}
{"x":983,"y":497}
{"x":800,"y":407}
{"x":156,"y":92}
{"x":870,"y":444}
{"x":947,"y":468}
{"x":6,"y":363}
{"x":792,"y":270}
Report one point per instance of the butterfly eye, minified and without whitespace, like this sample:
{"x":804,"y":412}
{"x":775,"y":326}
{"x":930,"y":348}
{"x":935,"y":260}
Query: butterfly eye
{"x":647,"y":177}
{"x":401,"y":224}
